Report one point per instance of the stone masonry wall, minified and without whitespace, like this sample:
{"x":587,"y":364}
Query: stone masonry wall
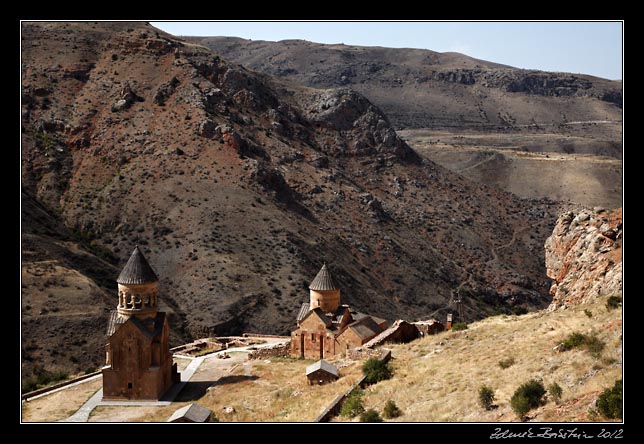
{"x":279,"y":350}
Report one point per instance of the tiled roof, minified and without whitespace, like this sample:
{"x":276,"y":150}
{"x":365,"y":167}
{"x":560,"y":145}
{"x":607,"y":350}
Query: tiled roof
{"x":323,"y":281}
{"x":137,"y":270}
{"x":112,"y":322}
{"x":304,"y":310}
{"x":322,"y":365}
{"x":365,"y":328}
{"x":150,"y":327}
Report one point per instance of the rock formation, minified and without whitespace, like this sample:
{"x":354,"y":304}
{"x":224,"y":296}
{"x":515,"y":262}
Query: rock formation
{"x":584,"y":256}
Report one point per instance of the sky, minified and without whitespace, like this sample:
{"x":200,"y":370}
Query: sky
{"x":594,"y":48}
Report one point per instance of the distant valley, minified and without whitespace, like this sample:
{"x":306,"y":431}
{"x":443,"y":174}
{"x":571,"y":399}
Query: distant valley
{"x":488,"y":122}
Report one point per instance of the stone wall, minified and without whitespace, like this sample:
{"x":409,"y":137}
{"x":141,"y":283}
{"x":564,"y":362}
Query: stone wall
{"x":360,"y":353}
{"x":278,"y":350}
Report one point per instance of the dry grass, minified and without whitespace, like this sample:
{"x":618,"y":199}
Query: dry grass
{"x":437,"y":378}
{"x":259,"y":391}
{"x":61,"y":404}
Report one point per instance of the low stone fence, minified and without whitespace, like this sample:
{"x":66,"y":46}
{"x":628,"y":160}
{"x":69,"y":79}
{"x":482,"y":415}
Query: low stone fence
{"x":260,"y":335}
{"x":277,"y":350}
{"x":332,"y":409}
{"x":26,"y":396}
{"x":360,"y":353}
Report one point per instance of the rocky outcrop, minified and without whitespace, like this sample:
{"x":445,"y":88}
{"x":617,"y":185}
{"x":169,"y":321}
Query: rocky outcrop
{"x":369,"y":129}
{"x":126,"y":98}
{"x":584,"y":257}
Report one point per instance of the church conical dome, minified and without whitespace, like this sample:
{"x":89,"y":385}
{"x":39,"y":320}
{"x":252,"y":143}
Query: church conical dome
{"x":323,"y":281}
{"x":137,"y":270}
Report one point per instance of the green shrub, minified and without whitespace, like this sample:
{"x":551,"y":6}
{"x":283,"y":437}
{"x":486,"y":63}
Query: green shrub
{"x":528,"y":396}
{"x":613,"y":302}
{"x":520,"y":405}
{"x":352,"y":405}
{"x":609,"y":402}
{"x":592,"y":344}
{"x":391,"y":410}
{"x":572,"y":341}
{"x":43,"y":378}
{"x":588,"y":313}
{"x":370,"y":416}
{"x":486,"y":397}
{"x":555,"y":392}
{"x":459,"y":326}
{"x":507,"y":362}
{"x":376,"y":370}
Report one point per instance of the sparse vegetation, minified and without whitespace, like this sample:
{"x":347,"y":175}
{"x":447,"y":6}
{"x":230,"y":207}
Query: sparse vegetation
{"x":370,"y":415}
{"x":391,"y":410}
{"x":613,"y":302}
{"x":573,"y":340}
{"x":609,"y":402}
{"x":528,"y":396}
{"x":507,"y":362}
{"x":591,"y":343}
{"x":352,"y":405}
{"x":486,"y":397}
{"x":588,"y":313}
{"x":376,"y":370}
{"x":459,"y":326}
{"x":555,"y":391}
{"x":43,"y":378}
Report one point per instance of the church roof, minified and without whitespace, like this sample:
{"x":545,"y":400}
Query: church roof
{"x":149,"y":327}
{"x":137,"y":270}
{"x":365,"y":328}
{"x":323,"y":281}
{"x":304,"y":310}
{"x":113,"y":322}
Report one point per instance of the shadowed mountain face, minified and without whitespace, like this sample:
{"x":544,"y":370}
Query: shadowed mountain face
{"x":533,"y":133}
{"x":237,"y":186}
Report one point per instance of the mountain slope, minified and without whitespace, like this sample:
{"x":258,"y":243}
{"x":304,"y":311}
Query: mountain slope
{"x":237,"y":186}
{"x":533,"y":133}
{"x":420,"y":88}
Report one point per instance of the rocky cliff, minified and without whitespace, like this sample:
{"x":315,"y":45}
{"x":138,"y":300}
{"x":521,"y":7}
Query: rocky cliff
{"x":584,"y":256}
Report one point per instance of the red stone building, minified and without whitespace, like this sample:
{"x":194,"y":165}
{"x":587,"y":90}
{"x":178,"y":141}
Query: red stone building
{"x":325,"y":327}
{"x":139,"y":363}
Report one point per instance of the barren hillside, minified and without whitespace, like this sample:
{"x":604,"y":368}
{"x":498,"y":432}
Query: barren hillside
{"x":237,"y":186}
{"x":492,"y":123}
{"x":419,"y":88}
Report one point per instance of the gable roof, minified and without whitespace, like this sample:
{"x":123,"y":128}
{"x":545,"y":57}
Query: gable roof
{"x":323,"y":281}
{"x":137,"y":270}
{"x":191,"y":413}
{"x":320,"y":314}
{"x":148,"y":327}
{"x":322,"y":365}
{"x":113,"y":322}
{"x":304,"y":310}
{"x":365,"y":328}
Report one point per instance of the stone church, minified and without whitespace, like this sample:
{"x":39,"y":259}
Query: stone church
{"x":139,"y":363}
{"x":325,"y":327}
